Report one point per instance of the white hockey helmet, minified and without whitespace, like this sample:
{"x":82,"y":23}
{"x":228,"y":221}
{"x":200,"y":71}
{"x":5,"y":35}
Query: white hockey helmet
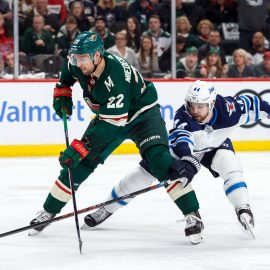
{"x":201,"y":92}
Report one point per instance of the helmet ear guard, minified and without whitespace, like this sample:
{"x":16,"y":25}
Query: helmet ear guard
{"x":201,"y":92}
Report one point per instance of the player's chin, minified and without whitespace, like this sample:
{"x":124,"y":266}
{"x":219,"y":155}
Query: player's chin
{"x":197,"y":118}
{"x":85,"y":71}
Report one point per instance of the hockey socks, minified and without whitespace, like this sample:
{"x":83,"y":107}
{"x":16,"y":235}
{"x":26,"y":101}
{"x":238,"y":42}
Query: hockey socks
{"x":184,"y":198}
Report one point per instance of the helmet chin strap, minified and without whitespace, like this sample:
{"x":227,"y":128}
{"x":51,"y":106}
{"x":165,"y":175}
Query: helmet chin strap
{"x":96,"y":65}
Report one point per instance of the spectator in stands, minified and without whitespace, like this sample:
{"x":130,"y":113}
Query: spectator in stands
{"x":147,"y":58}
{"x":77,"y":10}
{"x":107,"y":36}
{"x":123,"y":3}
{"x":258,"y":47}
{"x":204,"y":28}
{"x":213,"y":42}
{"x":25,"y":8}
{"x":5,"y":10}
{"x":120,"y":49}
{"x":9,"y":65}
{"x":115,"y":16}
{"x":60,"y":8}
{"x":89,"y":9}
{"x":249,"y":58}
{"x":66,"y":36}
{"x":133,"y":33}
{"x":193,"y":11}
{"x":188,"y":66}
{"x":263,"y":69}
{"x":240,"y":69}
{"x":6,"y":41}
{"x":252,"y":16}
{"x":164,"y":12}
{"x":142,"y":10}
{"x":183,"y":28}
{"x":51,"y":21}
{"x":221,"y":11}
{"x":165,"y":59}
{"x":36,"y":40}
{"x":211,"y":66}
{"x":155,"y":5}
{"x":161,"y":38}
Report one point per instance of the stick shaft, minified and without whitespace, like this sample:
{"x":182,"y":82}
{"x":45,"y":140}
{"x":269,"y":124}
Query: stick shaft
{"x":71,"y":183}
{"x":84,"y":210}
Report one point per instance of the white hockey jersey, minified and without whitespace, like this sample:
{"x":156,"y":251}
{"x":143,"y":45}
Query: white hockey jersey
{"x":189,"y":137}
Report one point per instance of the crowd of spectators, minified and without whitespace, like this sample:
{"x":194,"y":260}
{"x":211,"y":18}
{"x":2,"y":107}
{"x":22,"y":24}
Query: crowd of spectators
{"x":214,"y":38}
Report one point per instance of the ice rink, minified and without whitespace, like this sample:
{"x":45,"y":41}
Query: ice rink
{"x":143,"y":235}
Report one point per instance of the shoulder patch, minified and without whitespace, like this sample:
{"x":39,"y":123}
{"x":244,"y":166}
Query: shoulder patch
{"x":230,"y":107}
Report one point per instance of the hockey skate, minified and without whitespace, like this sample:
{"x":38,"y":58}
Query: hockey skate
{"x":194,"y":227}
{"x":246,"y":219}
{"x":96,"y":218}
{"x":41,"y":216}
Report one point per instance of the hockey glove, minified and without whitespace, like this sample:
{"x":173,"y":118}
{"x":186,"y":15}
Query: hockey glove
{"x":183,"y":170}
{"x":72,"y":156}
{"x":62,"y":99}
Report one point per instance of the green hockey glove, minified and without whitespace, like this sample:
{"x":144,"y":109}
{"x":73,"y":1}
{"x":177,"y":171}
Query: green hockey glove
{"x":62,"y":98}
{"x":72,"y":156}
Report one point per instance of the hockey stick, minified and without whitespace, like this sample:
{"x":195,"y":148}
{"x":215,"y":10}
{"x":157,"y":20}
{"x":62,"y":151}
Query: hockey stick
{"x":81,"y":211}
{"x":71,"y":183}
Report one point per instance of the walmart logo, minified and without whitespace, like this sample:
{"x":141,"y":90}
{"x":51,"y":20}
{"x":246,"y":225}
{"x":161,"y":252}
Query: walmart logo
{"x":25,"y":112}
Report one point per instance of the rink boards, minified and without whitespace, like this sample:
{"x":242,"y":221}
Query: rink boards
{"x":29,"y":126}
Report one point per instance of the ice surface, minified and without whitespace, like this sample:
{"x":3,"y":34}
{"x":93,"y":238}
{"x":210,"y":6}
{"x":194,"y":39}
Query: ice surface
{"x":144,"y":234}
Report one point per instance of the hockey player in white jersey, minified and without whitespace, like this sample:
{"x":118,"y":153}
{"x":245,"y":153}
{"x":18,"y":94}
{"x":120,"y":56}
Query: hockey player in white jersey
{"x":202,"y":127}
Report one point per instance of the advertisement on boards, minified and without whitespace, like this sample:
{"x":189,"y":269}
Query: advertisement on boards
{"x":27,"y":115}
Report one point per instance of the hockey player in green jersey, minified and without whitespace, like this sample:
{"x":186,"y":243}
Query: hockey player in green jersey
{"x":126,"y":108}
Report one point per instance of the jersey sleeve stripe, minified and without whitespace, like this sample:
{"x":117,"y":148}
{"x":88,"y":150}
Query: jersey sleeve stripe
{"x":182,"y":139}
{"x":117,"y":121}
{"x":177,"y":133}
{"x":114,"y":117}
{"x":142,"y":110}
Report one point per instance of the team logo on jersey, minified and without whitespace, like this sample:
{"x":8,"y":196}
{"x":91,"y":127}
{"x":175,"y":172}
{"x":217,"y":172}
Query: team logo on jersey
{"x":94,"y":107}
{"x":109,"y":83}
{"x":230,"y":107}
{"x":93,"y":38}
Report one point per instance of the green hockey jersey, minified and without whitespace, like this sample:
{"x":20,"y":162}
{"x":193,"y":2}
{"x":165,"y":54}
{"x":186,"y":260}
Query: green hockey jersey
{"x":118,"y":96}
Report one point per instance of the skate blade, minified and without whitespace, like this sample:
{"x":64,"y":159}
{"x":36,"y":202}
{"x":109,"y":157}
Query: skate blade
{"x":33,"y":232}
{"x":85,"y":227}
{"x":195,"y":239}
{"x":250,"y":229}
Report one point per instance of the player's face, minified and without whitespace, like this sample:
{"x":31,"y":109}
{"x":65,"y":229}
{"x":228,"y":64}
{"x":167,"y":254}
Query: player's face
{"x":198,"y":111}
{"x":84,"y":63}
